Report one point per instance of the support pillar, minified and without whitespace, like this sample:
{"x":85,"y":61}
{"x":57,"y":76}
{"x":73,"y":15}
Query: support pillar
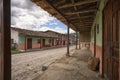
{"x":76,"y":40}
{"x":5,"y":48}
{"x":79,"y":40}
{"x":68,"y":53}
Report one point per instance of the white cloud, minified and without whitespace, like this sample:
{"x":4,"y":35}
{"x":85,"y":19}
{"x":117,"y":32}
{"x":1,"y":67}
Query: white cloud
{"x":24,"y":12}
{"x":56,"y":29}
{"x":27,"y":15}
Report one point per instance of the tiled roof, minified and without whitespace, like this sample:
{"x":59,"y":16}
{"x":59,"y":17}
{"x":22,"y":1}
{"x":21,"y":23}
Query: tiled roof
{"x":33,"y":33}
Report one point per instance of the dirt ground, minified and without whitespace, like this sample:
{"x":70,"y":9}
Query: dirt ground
{"x":70,"y":68}
{"x":27,"y":66}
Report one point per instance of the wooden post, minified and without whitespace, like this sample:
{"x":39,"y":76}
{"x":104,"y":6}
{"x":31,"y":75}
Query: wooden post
{"x":5,"y":54}
{"x":95,"y":41}
{"x":79,"y":40}
{"x":68,"y":53}
{"x":76,"y":39}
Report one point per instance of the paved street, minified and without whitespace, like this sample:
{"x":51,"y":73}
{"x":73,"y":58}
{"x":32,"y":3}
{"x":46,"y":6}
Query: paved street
{"x":26,"y":66}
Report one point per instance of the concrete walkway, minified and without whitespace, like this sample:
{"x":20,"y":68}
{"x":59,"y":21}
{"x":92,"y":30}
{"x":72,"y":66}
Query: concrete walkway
{"x":70,"y":68}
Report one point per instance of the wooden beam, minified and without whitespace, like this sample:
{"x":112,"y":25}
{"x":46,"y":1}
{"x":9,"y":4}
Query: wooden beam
{"x":68,"y":53}
{"x":80,"y":25}
{"x":80,"y":12}
{"x":82,"y":17}
{"x":81,"y":22}
{"x":54,"y":9}
{"x":84,"y":27}
{"x":85,"y":30}
{"x":60,"y":2}
{"x":79,"y":40}
{"x":73,"y":2}
{"x":77,"y":4}
{"x":58,"y":12}
{"x":36,"y":0}
{"x":85,"y":22}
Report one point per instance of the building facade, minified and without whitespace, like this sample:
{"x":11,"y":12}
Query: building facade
{"x":26,"y":39}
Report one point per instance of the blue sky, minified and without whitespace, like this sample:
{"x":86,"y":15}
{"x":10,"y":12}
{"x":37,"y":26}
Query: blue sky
{"x":27,"y":15}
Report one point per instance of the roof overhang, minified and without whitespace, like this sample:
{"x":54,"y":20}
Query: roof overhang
{"x":77,"y":14}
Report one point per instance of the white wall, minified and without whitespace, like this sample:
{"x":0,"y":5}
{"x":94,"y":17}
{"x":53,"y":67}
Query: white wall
{"x":14,"y":35}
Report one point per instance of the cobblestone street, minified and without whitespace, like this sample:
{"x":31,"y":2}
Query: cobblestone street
{"x":26,"y":66}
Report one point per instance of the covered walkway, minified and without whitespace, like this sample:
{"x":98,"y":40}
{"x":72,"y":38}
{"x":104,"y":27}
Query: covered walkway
{"x":70,"y":68}
{"x":97,"y":22}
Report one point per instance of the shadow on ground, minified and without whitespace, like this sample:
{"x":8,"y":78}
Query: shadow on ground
{"x":70,"y":68}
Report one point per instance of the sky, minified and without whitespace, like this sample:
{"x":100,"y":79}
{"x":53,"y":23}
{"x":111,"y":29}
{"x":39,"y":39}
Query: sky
{"x":27,"y":15}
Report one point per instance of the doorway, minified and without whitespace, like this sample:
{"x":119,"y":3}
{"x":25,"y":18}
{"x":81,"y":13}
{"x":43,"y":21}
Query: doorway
{"x":53,"y":42}
{"x":29,"y":43}
{"x":43,"y":42}
{"x":111,"y":39}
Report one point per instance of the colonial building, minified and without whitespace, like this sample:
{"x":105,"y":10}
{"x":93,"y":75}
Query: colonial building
{"x":27,"y":39}
{"x":61,"y":38}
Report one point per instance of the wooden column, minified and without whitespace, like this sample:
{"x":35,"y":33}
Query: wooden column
{"x":95,"y":41}
{"x":5,"y":54}
{"x":68,"y":53}
{"x":76,"y":39}
{"x":79,"y":40}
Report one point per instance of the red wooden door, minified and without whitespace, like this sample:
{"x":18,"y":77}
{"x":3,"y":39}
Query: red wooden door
{"x":111,"y":39}
{"x":43,"y":42}
{"x":29,"y":43}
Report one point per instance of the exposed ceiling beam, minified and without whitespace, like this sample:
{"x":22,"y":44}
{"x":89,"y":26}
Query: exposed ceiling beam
{"x":80,"y":12}
{"x":78,"y":21}
{"x":60,"y":2}
{"x":50,"y":5}
{"x":36,"y":0}
{"x":81,"y":17}
{"x":85,"y":22}
{"x":77,"y":4}
{"x":73,"y":2}
{"x":82,"y":31}
{"x":84,"y":28}
{"x":82,"y":24}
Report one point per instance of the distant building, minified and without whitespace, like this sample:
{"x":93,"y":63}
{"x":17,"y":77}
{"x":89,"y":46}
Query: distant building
{"x":27,"y":39}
